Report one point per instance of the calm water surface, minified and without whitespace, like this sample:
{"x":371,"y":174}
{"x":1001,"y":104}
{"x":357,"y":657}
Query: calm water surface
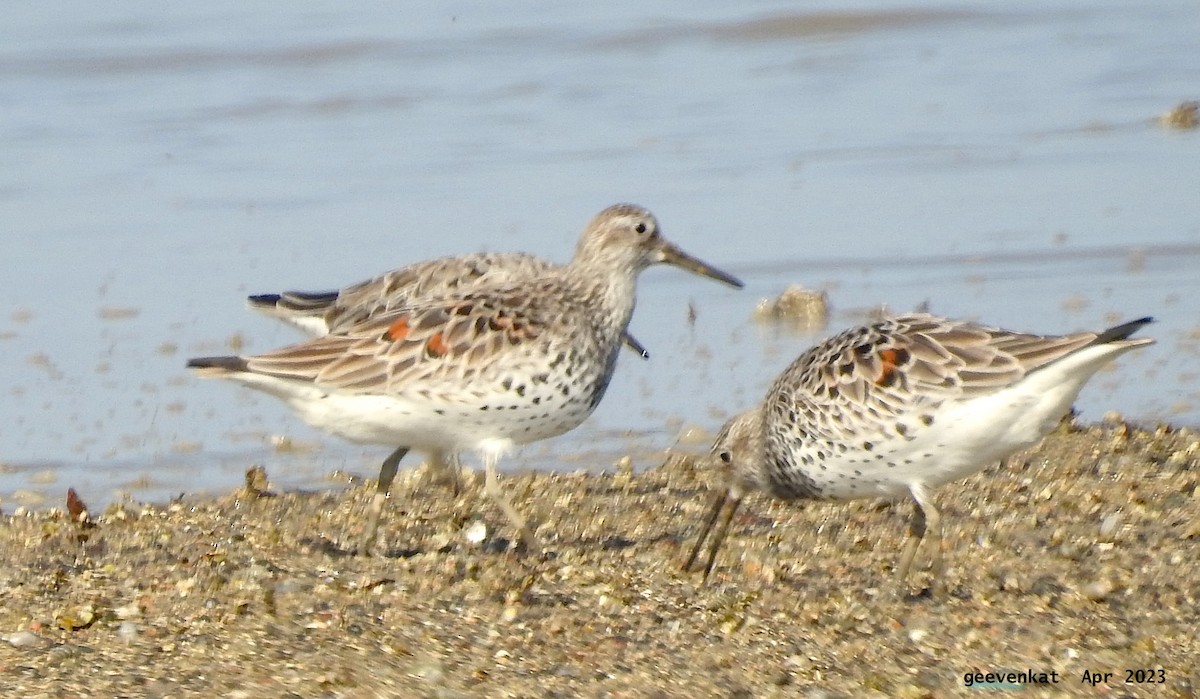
{"x":997,"y":161}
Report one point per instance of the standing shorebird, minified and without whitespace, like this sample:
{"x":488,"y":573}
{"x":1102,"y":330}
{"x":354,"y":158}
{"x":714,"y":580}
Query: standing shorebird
{"x":898,"y":408}
{"x":323,"y":312}
{"x":484,"y":369}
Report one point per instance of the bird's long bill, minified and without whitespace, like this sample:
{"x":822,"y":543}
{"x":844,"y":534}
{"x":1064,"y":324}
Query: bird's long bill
{"x":723,"y":507}
{"x":674,"y":256}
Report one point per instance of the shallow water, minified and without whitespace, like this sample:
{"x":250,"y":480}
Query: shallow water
{"x":997,"y":162}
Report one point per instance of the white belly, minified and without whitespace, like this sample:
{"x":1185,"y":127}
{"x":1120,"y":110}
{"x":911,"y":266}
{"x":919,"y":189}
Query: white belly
{"x":448,"y":423}
{"x":966,"y":436}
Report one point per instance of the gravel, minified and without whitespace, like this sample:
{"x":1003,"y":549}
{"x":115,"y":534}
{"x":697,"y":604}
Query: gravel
{"x":1080,"y":555}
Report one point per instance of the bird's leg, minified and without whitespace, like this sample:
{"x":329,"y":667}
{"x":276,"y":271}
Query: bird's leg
{"x":492,"y":487}
{"x":447,"y":468}
{"x":387,"y":474}
{"x":725,"y":504}
{"x":632,"y":343}
{"x":925,"y":518}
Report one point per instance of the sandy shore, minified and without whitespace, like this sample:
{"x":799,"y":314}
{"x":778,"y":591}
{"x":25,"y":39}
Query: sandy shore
{"x":1082,"y":555}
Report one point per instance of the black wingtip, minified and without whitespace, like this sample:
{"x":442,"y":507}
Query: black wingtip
{"x":264,"y":300}
{"x":226,"y":363}
{"x":294,"y":300}
{"x":1122,"y":331}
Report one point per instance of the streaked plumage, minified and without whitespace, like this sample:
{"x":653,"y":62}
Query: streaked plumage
{"x":899,"y":407}
{"x":483,"y":369}
{"x":323,"y":312}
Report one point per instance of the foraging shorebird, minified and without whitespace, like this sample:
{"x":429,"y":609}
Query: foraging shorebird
{"x":899,"y":407}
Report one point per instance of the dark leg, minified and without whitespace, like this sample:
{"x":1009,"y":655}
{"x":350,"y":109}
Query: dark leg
{"x":709,"y":520}
{"x":387,"y":474}
{"x":723,"y":508}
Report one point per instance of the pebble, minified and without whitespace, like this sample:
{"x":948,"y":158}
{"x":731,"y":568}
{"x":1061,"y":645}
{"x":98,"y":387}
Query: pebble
{"x":806,"y":309}
{"x":1098,"y":590}
{"x":1109,"y":525}
{"x":23,"y":639}
{"x":127,"y":631}
{"x":476,"y":533}
{"x":590,"y":619}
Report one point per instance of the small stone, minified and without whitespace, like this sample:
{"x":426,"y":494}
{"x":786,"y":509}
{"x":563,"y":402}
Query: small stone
{"x":1098,"y":590}
{"x":624,"y":474}
{"x":430,"y":670}
{"x":1185,"y":115}
{"x":24,"y":639}
{"x":129,"y":611}
{"x":257,"y":485}
{"x":78,"y":618}
{"x":804,"y":308}
{"x":1108,"y":525}
{"x":127,"y":631}
{"x":476,"y":532}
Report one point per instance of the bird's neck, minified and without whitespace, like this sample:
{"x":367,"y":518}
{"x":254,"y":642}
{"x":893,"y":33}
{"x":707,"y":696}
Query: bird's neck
{"x":608,"y":293}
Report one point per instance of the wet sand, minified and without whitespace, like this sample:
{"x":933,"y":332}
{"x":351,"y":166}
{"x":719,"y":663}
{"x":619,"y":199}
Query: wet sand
{"x":1080,"y":555}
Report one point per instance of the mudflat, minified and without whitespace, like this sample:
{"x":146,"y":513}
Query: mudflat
{"x":1074,"y":568}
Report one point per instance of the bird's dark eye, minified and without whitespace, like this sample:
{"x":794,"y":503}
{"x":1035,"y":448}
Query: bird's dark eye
{"x":640,"y":228}
{"x":726,"y":457}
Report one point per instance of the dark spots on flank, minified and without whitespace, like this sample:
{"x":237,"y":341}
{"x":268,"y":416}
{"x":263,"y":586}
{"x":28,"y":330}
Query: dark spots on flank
{"x":537,"y":400}
{"x":926,"y":420}
{"x":558,"y":359}
{"x":868,"y":446}
{"x":901,"y":429}
{"x":507,"y":384}
{"x":521,"y":390}
{"x":439,"y":411}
